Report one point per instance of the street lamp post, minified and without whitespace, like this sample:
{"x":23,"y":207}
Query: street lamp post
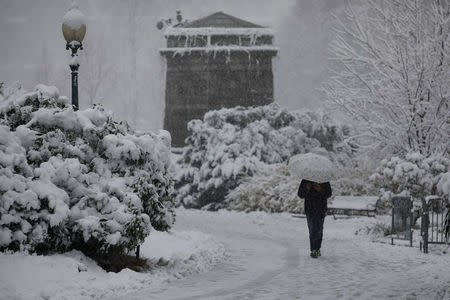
{"x":74,"y":30}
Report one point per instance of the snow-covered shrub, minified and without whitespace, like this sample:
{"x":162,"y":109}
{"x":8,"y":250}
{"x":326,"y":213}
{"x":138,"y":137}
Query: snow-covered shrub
{"x":354,"y":181}
{"x":377,"y":230}
{"x":231,"y":144}
{"x":443,"y":186}
{"x":271,"y":190}
{"x":275,"y":190}
{"x":82,"y":179}
{"x":414,"y":175}
{"x":30,"y":209}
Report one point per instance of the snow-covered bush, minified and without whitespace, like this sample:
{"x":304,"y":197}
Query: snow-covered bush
{"x":78,"y":179}
{"x":354,"y":181}
{"x":443,"y":186}
{"x":231,"y":144}
{"x":380,"y":229}
{"x":271,"y":190}
{"x":29,"y":208}
{"x":415,"y":175}
{"x":275,"y":190}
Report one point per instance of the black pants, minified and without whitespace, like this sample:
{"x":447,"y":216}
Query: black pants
{"x":315,"y":226}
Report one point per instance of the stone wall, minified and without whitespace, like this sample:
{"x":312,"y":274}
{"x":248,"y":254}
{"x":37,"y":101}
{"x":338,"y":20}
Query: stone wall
{"x":197,"y":82}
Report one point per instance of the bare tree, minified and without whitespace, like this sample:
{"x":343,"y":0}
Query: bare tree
{"x":44,"y":68}
{"x":391,"y":73}
{"x":49,"y":73}
{"x":96,"y":69}
{"x":132,"y":23}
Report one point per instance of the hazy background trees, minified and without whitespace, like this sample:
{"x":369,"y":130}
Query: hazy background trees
{"x":303,"y":38}
{"x":44,"y":68}
{"x":98,"y":70}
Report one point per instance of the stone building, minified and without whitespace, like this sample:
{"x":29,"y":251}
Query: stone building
{"x":214,"y":62}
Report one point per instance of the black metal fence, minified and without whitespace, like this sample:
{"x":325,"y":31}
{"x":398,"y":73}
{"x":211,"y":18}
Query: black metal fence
{"x":402,"y":218}
{"x":433,"y":219}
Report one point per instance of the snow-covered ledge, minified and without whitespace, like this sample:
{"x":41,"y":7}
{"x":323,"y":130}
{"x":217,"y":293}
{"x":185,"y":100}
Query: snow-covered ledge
{"x":216,"y":49}
{"x":181,"y":31}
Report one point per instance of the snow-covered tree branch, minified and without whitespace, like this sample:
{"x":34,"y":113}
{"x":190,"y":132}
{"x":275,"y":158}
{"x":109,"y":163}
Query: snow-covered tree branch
{"x":390,"y":72}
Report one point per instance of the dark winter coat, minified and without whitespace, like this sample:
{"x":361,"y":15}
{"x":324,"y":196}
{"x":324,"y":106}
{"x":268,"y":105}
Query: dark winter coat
{"x":315,"y":202}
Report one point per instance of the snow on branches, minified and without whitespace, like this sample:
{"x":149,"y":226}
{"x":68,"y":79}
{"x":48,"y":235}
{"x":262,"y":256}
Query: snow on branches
{"x":443,"y":186}
{"x":231,"y":144}
{"x":416,"y":175}
{"x":78,"y":179}
{"x":391,"y":72}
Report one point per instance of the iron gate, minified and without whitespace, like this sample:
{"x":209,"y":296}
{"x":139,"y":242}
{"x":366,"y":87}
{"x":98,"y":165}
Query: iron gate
{"x":433,"y":218}
{"x":402,"y":218}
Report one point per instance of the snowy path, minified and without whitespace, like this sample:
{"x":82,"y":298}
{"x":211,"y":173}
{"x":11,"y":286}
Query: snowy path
{"x":267,"y":258}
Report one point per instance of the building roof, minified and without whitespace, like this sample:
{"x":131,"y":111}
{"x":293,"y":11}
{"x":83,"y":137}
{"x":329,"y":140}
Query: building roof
{"x":255,"y":38}
{"x":221,"y":20}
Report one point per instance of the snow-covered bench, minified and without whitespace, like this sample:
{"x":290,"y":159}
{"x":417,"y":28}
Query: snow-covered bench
{"x":353,"y":205}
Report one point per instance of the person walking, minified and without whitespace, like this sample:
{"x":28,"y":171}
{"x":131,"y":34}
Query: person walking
{"x":316,"y":196}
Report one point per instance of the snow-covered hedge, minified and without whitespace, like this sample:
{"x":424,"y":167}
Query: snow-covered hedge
{"x":414,"y":175}
{"x":77,"y":179}
{"x":231,"y":144}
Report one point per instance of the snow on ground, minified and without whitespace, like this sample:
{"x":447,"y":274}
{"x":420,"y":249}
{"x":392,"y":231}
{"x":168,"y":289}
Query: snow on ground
{"x":268,"y":258}
{"x":174,"y":255}
{"x":264,"y":256}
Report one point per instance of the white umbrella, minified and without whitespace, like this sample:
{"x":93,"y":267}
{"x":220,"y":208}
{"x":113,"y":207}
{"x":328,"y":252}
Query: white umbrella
{"x":312,"y":167}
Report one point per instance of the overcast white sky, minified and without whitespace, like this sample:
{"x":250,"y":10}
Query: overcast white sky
{"x":30,"y":36}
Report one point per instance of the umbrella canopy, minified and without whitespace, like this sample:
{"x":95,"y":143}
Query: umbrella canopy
{"x":312,"y":167}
